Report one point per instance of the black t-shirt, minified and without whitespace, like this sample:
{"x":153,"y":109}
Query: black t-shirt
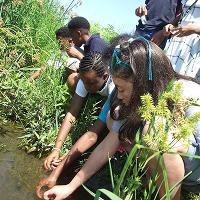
{"x":95,"y":44}
{"x":159,"y":14}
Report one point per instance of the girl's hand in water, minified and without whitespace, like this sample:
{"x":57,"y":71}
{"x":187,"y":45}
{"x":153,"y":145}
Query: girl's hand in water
{"x":51,"y":159}
{"x":58,"y":192}
{"x":45,"y":183}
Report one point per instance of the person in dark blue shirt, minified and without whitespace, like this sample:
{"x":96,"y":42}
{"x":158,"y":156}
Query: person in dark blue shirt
{"x":154,"y":15}
{"x":79,"y":29}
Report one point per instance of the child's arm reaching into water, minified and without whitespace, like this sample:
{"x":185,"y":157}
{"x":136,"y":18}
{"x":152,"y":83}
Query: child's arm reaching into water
{"x":96,"y":160}
{"x":85,"y":142}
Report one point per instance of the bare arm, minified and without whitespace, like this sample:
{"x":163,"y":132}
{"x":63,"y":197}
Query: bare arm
{"x":77,"y":103}
{"x":35,"y":75}
{"x":174,"y":167}
{"x":73,"y":52}
{"x":181,"y":31}
{"x":84,"y":143}
{"x":96,"y":160}
{"x":187,"y":30}
{"x":158,"y":37}
{"x":175,"y":172}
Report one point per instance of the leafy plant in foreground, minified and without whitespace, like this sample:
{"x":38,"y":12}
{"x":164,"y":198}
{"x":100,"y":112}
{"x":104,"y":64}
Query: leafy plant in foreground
{"x":162,"y":122}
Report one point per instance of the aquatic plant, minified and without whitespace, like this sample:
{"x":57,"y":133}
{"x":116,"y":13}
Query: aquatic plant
{"x":164,"y":121}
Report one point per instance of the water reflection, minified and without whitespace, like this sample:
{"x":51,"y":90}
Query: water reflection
{"x":20,"y":172}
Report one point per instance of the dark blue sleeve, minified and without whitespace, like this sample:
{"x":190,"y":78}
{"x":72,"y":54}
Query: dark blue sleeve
{"x":98,"y":45}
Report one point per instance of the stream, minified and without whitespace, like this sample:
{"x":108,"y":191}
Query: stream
{"x":19,"y":171}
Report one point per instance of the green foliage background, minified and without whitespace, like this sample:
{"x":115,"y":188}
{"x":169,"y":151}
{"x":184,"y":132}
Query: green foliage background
{"x":27,"y":42}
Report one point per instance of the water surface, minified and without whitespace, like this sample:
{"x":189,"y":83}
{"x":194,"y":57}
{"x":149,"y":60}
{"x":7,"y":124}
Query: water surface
{"x":19,"y":171}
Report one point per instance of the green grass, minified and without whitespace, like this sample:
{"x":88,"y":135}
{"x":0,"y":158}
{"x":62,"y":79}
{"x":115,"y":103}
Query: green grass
{"x":27,"y":40}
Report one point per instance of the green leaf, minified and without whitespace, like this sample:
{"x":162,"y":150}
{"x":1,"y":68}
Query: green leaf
{"x":164,"y":171}
{"x":107,"y":193}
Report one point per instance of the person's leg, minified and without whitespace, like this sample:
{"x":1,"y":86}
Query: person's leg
{"x":36,"y":74}
{"x":72,"y":74}
{"x":175,"y":171}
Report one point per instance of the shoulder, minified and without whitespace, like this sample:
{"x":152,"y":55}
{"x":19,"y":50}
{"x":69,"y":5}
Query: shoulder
{"x":80,"y":89}
{"x":104,"y":111}
{"x":115,"y":125}
{"x":96,"y":43}
{"x":108,"y":88}
{"x":96,"y":37}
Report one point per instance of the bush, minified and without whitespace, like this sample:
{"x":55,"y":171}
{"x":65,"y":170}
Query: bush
{"x":27,"y":38}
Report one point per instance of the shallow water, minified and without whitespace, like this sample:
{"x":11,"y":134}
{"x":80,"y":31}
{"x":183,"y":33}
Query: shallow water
{"x":19,"y":172}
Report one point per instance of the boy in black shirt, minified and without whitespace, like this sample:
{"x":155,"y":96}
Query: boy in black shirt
{"x":79,"y":29}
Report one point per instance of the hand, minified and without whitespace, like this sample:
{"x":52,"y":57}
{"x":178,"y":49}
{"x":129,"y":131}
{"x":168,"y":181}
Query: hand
{"x":58,"y":192}
{"x":51,"y":160}
{"x":73,"y":52}
{"x":49,"y":182}
{"x":168,"y":29}
{"x":55,"y":162}
{"x":182,"y":31}
{"x":64,"y":43}
{"x":141,"y":10}
{"x":158,"y":37}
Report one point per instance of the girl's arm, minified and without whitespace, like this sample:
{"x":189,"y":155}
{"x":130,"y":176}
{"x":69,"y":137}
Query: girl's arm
{"x":97,"y":159}
{"x":84,"y":143}
{"x":187,"y":30}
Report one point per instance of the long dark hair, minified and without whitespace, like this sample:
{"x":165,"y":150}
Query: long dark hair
{"x":134,"y":65}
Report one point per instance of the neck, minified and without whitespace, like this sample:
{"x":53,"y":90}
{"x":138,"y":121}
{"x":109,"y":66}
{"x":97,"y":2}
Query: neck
{"x":104,"y":84}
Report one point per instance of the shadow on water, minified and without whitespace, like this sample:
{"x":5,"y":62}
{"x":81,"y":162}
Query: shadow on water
{"x":20,"y":172}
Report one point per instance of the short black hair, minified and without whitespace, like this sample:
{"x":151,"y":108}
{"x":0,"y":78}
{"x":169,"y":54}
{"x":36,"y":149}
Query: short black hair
{"x":78,"y":22}
{"x":62,"y":32}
